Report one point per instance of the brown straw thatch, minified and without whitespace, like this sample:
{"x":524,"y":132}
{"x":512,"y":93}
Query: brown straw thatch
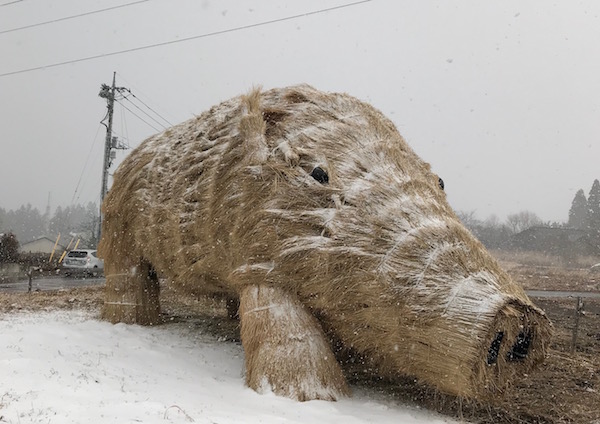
{"x":312,"y":210}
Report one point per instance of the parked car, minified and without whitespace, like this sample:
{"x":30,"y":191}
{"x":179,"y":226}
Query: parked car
{"x":83,"y":261}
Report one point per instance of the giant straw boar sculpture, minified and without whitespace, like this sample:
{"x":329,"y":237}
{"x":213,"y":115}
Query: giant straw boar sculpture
{"x":312,"y":210}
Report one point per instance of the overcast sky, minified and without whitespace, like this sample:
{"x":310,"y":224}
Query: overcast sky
{"x":501,"y":97}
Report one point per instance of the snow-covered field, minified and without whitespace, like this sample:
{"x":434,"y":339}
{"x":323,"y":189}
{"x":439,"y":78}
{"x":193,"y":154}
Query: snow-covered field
{"x":68,"y":367}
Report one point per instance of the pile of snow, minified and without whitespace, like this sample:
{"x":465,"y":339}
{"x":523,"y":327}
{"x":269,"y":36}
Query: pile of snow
{"x":68,"y":367}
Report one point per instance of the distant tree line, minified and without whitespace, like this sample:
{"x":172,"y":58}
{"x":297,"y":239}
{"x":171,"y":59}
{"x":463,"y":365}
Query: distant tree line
{"x":27,"y":223}
{"x":584,"y":215}
{"x":495,"y":234}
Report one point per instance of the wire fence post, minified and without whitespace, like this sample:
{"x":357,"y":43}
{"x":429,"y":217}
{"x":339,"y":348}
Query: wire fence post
{"x":30,"y":275}
{"x":578,"y":313}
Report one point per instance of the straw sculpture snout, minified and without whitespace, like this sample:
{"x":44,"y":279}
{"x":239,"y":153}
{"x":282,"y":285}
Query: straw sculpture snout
{"x":312,"y":212}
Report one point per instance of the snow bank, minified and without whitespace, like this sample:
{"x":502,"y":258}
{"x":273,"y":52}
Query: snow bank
{"x":68,"y":367}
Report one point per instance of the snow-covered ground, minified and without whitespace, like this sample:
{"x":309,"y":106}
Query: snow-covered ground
{"x":69,"y":367}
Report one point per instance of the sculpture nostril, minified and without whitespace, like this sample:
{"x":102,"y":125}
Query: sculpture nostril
{"x":521,"y":347}
{"x":495,"y":348}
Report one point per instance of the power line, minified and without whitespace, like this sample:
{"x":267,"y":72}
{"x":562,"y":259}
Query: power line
{"x":125,"y":130}
{"x":84,"y":167}
{"x":155,"y":112}
{"x":181,"y":40}
{"x":10,"y":2}
{"x":85,"y":183}
{"x":70,"y":17}
{"x":138,"y":117}
{"x":137,"y":90}
{"x":144,"y":112}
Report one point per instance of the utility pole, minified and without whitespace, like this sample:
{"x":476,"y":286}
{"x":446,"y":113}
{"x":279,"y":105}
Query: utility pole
{"x":109,"y":94}
{"x":110,"y":142}
{"x":47,"y":215}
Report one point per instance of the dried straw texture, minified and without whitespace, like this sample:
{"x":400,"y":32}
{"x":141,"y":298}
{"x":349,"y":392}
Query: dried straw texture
{"x":226,"y":201}
{"x":286,"y":349}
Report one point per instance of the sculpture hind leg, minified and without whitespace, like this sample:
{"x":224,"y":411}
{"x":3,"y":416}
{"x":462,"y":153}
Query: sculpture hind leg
{"x":132,"y":294}
{"x":285,"y":348}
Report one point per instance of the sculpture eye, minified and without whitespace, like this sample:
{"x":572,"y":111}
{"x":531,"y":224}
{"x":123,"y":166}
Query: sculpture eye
{"x":320,"y":175}
{"x":441,"y":183}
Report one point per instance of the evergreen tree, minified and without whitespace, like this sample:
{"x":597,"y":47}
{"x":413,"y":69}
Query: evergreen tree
{"x":593,"y":207}
{"x":26,"y":223}
{"x":9,"y":248}
{"x":578,"y":214}
{"x":61,"y":221}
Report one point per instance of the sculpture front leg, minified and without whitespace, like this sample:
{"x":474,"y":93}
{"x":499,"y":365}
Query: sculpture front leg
{"x":285,"y":347}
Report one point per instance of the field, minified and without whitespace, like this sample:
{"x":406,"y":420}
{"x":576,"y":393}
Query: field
{"x":566,"y":389}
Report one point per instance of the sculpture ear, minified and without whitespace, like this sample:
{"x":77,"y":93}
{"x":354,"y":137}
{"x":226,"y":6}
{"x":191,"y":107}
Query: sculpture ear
{"x":253,"y":129}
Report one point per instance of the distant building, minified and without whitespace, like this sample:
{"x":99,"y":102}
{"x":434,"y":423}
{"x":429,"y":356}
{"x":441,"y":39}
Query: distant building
{"x":42,"y":245}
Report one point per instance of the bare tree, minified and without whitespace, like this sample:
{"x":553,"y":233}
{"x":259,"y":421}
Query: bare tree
{"x":521,"y":221}
{"x":492,"y":221}
{"x":468,"y":219}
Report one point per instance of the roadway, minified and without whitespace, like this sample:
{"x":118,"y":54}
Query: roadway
{"x":50,"y":283}
{"x":61,"y":282}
